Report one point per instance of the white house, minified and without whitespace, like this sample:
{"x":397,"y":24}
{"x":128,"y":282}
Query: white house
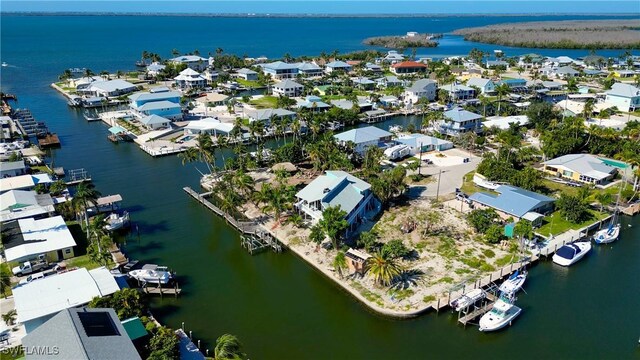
{"x":109,"y":88}
{"x":24,"y":182}
{"x":209,"y":126}
{"x":19,"y":204}
{"x":424,"y":143}
{"x":12,"y":168}
{"x":393,"y":57}
{"x":267,"y":114}
{"x":423,"y":88}
{"x":26,"y":239}
{"x":246,"y":74}
{"x":309,"y":69}
{"x":624,"y":96}
{"x":38,"y":301}
{"x":337,"y":188}
{"x":155,"y":69}
{"x":337,"y":66}
{"x":363,"y":137}
{"x":190,"y":79}
{"x":288,"y":88}
{"x":459,"y":91}
{"x":503,"y":122}
{"x":486,"y":86}
{"x":279,"y":70}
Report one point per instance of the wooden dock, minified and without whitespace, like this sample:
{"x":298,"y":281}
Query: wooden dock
{"x":49,"y":140}
{"x":158,"y":290}
{"x":254,"y":238}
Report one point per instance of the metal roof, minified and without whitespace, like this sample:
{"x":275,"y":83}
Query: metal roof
{"x":336,"y":188}
{"x":584,"y":164}
{"x":624,"y":90}
{"x":338,"y":64}
{"x":460,"y":115}
{"x":287,"y":84}
{"x":512,"y":200}
{"x":363,"y":135}
{"x":155,"y":105}
{"x":279,"y":65}
{"x":147,"y":96}
{"x":112,"y":85}
{"x":39,"y":237}
{"x":415,"y":140}
{"x":421,"y":85}
{"x":154,"y":119}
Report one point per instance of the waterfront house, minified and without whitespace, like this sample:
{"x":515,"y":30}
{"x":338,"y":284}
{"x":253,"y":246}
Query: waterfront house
{"x":288,"y":88}
{"x":363,"y":83}
{"x":492,"y":64}
{"x":337,"y":66}
{"x":558,"y":61}
{"x":388,"y":81}
{"x":337,"y":188}
{"x":139,"y":99}
{"x":393,"y":57}
{"x":514,"y":84}
{"x":246,"y":74}
{"x":408,"y":67}
{"x":418,"y":143}
{"x":82,"y":334}
{"x":84,"y":82}
{"x":389,"y":101}
{"x":583,"y":168}
{"x":108,"y":88}
{"x":155,"y":122}
{"x":164,"y":108}
{"x":209,"y":126}
{"x":26,"y":239}
{"x":193,"y":62}
{"x":309,"y":69}
{"x":266,"y":115}
{"x":24,"y":182}
{"x":458,"y":121}
{"x":486,"y":86}
{"x":625,"y":97}
{"x":565,"y":72}
{"x":280,"y":70}
{"x":20,"y":204}
{"x":457,"y":91}
{"x":363,"y":138}
{"x":38,"y":301}
{"x":213,"y":99}
{"x":514,"y":202}
{"x":423,"y":88}
{"x":504,"y":122}
{"x":313,"y":103}
{"x":624,"y":74}
{"x":190,"y":79}
{"x":155,"y":69}
{"x":12,"y":168}
{"x":356,"y":260}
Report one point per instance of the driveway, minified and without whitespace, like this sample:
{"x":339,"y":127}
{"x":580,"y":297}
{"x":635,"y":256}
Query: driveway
{"x":451,"y":178}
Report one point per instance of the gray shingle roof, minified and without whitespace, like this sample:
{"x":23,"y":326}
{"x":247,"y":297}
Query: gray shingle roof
{"x":65,"y":331}
{"x":154,"y":105}
{"x":338,"y":64}
{"x":479,"y":82}
{"x":624,"y":90}
{"x":461,"y":115}
{"x":421,"y":85}
{"x":584,"y":164}
{"x":154,"y":96}
{"x":287,"y":84}
{"x":153,"y":120}
{"x":279,"y":65}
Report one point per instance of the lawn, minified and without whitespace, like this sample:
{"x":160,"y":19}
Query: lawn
{"x":265,"y":102}
{"x":469,"y":187}
{"x":82,"y":261}
{"x":250,"y":83}
{"x":555,"y":224}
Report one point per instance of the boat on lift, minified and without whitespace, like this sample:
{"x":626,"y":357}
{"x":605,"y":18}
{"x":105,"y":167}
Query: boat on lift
{"x":503,"y":312}
{"x":116,"y":221}
{"x":153,"y":274}
{"x":514,"y":283}
{"x":468,"y":299}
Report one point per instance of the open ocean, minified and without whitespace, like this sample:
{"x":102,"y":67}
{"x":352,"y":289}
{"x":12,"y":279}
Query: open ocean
{"x":276,"y":304}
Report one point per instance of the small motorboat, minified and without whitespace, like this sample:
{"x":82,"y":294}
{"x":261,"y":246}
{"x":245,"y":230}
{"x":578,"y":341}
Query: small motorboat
{"x":570,"y":254}
{"x":514,"y":283}
{"x":395,"y":128}
{"x":153,"y":274}
{"x":468,"y":299}
{"x":4,"y":64}
{"x":116,"y":221}
{"x":502,"y":314}
{"x":607,"y":235}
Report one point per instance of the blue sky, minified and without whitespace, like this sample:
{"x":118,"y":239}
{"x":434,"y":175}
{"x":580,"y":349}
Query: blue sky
{"x":331,"y":7}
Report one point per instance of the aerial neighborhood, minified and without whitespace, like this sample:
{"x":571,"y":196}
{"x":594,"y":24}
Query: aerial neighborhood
{"x":374,"y":167}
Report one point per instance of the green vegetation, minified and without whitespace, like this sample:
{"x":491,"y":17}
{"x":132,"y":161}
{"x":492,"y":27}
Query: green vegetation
{"x":505,"y":260}
{"x":5,"y":279}
{"x":367,"y":294}
{"x":401,"y":294}
{"x":573,"y":34}
{"x":402,"y":42}
{"x":13,"y":353}
{"x":555,"y":223}
{"x":82,"y":261}
{"x":266,"y":101}
{"x":429,"y":299}
{"x":250,"y":83}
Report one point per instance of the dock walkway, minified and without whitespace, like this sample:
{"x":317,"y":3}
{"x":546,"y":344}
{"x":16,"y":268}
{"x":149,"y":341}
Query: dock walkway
{"x":255,"y":237}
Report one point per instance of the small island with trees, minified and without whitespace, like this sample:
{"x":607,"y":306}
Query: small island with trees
{"x":572,"y":34}
{"x":410,"y":40}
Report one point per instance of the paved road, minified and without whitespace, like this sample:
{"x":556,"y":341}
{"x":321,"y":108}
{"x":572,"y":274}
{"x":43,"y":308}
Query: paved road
{"x":450,"y":179}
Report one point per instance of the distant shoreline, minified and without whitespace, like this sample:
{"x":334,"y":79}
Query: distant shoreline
{"x":294,"y":15}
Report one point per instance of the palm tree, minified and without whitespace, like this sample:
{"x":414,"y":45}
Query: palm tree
{"x":382,"y":267}
{"x":190,"y":155}
{"x":85,"y":194}
{"x":88,"y":73}
{"x":228,"y":347}
{"x":604,"y":199}
{"x":334,"y":224}
{"x":501,"y":91}
{"x":175,"y":52}
{"x":340,"y":262}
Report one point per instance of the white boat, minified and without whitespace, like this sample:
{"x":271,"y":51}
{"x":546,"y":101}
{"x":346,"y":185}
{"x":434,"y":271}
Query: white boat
{"x":115,"y":221}
{"x":571,"y":253}
{"x":607,"y":235}
{"x":468,"y":299}
{"x":4,"y":64}
{"x":514,"y":283}
{"x":152,"y":274}
{"x":501,"y":315}
{"x":395,"y":128}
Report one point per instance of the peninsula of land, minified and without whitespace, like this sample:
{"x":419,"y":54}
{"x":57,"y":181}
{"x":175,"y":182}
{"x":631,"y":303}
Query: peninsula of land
{"x":573,"y":34}
{"x":410,"y":40}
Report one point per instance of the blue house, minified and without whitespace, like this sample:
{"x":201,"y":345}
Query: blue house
{"x":280,"y":70}
{"x":140,"y":99}
{"x":458,"y":121}
{"x":516,"y":203}
{"x":164,"y":108}
{"x":514,"y":84}
{"x":338,"y":188}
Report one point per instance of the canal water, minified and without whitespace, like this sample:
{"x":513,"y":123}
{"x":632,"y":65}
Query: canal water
{"x":278,"y":306}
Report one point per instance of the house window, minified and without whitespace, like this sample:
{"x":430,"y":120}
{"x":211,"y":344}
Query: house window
{"x":567,"y":173}
{"x":67,"y":251}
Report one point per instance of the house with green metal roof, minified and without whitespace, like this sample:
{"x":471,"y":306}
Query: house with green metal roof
{"x":338,"y":188}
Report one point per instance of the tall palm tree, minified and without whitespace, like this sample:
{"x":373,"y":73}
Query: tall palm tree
{"x":190,"y":155}
{"x":88,"y":73}
{"x":382,"y":267}
{"x":228,"y":347}
{"x":85,"y":194}
{"x":501,"y":91}
{"x":340,"y":262}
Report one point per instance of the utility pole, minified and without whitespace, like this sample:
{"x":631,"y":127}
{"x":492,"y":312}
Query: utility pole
{"x":420,"y":161}
{"x":438,"y":188}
